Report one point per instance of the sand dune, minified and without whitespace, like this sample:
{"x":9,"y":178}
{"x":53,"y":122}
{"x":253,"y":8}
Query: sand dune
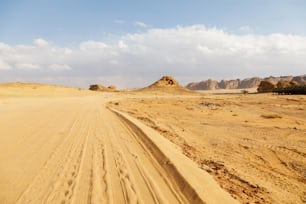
{"x":62,"y":145}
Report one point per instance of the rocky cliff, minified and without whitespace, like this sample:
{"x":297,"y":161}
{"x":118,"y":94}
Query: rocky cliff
{"x":243,"y":84}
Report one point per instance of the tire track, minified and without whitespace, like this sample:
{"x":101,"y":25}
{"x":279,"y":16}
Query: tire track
{"x":84,"y":182}
{"x":127,"y":183}
{"x":156,"y":193}
{"x":51,"y":170}
{"x":69,"y":180}
{"x":139,"y":159}
{"x":153,"y":188}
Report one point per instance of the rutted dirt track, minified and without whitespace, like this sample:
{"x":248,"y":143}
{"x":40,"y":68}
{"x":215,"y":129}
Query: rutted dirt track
{"x":75,"y":150}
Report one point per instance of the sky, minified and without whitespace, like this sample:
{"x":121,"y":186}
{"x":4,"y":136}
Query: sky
{"x":133,"y":43}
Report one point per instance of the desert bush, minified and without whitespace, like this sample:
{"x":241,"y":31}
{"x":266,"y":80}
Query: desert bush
{"x":244,"y":91}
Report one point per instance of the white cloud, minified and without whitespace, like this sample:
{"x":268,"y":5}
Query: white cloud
{"x":122,"y":45}
{"x":27,"y":66}
{"x":39,"y":42}
{"x":92,"y":45}
{"x":59,"y":67}
{"x":141,"y":24}
{"x":4,"y":65}
{"x":67,"y":51}
{"x":205,"y":50}
{"x":191,"y":52}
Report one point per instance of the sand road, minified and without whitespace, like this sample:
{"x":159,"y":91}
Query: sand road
{"x":75,"y":150}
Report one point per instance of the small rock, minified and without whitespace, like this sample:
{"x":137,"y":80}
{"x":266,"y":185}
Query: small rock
{"x":206,"y":168}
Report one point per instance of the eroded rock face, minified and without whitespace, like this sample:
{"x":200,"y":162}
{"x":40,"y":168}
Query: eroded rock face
{"x":265,"y":87}
{"x":249,"y":83}
{"x":230,"y":84}
{"x":225,"y":84}
{"x":242,"y":84}
{"x":284,"y":84}
{"x":275,"y":80}
{"x":301,"y":80}
{"x":203,"y":85}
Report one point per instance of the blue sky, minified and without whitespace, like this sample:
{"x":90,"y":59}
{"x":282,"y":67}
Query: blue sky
{"x":69,"y":21}
{"x":79,"y":42}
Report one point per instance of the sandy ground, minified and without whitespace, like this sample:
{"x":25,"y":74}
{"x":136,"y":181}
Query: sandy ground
{"x":63,"y":145}
{"x":254,"y":145}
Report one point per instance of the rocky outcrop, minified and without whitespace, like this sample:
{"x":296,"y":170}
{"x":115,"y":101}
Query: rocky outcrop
{"x":99,"y":87}
{"x":284,"y":84}
{"x":225,"y":84}
{"x":165,"y":81}
{"x":204,"y":85}
{"x":209,"y":84}
{"x":165,"y":84}
{"x":243,"y":84}
{"x":301,"y":80}
{"x":275,"y":80}
{"x":265,"y":87}
{"x":230,"y":84}
{"x":249,"y":83}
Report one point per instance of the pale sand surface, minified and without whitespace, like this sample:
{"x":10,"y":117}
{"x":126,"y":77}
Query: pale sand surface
{"x":63,"y":145}
{"x":254,"y":145}
{"x":228,"y":91}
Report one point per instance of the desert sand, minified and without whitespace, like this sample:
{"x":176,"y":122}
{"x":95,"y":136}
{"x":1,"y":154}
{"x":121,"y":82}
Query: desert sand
{"x":253,"y":144}
{"x":68,"y":145}
{"x":63,"y":145}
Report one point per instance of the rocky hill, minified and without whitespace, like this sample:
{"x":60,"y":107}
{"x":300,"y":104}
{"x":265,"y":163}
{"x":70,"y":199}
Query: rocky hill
{"x":243,"y":84}
{"x":165,"y":84}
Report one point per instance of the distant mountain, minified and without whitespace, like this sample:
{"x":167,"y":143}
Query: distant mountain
{"x":243,"y":84}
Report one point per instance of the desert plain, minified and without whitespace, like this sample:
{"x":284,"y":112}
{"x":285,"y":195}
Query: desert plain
{"x":70,"y":145}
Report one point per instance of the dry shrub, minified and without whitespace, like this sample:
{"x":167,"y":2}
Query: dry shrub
{"x":244,"y":91}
